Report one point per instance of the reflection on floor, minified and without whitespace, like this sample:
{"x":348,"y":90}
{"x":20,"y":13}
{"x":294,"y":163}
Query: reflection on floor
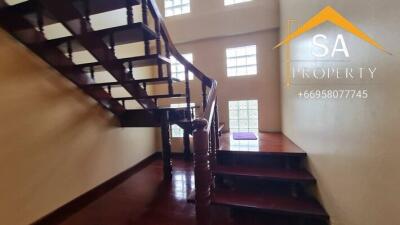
{"x":144,"y":199}
{"x":266,"y":143}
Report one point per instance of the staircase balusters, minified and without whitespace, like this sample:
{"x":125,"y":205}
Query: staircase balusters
{"x":186,"y":144}
{"x":158,"y":45}
{"x":85,"y":22}
{"x":129,"y":12}
{"x":186,"y":139}
{"x":69,"y":50}
{"x":187,"y":91}
{"x":169,"y":72}
{"x":202,"y":172}
{"x":130,"y":70}
{"x":216,"y":125}
{"x":145,"y":22}
{"x":112,"y":42}
{"x":156,"y":101}
{"x":87,"y":10}
{"x":213,"y":153}
{"x":123,"y":104}
{"x":166,"y":142}
{"x":204,"y":94}
{"x":145,"y":86}
{"x":109,"y":89}
{"x":39,"y":18}
{"x":92,"y":73}
{"x":192,"y":112}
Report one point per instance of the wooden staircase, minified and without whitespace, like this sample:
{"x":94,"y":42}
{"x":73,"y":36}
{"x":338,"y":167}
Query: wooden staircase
{"x":271,"y":181}
{"x":27,"y":21}
{"x":264,"y":175}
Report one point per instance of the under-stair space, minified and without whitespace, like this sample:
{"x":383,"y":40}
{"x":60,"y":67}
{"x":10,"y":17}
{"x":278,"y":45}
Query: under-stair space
{"x":107,"y":62}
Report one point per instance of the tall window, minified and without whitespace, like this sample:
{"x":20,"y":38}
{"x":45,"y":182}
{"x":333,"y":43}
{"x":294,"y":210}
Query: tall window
{"x":175,"y":129}
{"x":241,"y":61}
{"x":231,"y":2}
{"x":178,"y":70}
{"x":176,"y":7}
{"x":243,"y":116}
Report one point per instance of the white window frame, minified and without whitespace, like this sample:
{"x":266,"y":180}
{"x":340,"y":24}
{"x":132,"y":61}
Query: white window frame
{"x":241,"y":61}
{"x":176,"y":7}
{"x":234,"y":2}
{"x":178,"y":70}
{"x":176,"y":131}
{"x":243,"y":116}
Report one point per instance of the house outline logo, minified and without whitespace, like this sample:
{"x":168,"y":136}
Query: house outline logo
{"x":329,"y":14}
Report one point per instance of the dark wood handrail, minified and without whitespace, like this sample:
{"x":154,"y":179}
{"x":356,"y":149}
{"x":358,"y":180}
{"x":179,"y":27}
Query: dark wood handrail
{"x":169,"y":44}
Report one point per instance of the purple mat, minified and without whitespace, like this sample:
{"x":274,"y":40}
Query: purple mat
{"x":244,"y":136}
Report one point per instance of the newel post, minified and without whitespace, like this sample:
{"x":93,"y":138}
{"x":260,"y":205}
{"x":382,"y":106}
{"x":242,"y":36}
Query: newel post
{"x":202,"y":171}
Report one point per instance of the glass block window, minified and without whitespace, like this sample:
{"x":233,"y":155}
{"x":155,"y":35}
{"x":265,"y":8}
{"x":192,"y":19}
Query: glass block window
{"x":232,"y":2}
{"x":243,"y":116}
{"x":241,"y":61}
{"x":175,"y":129}
{"x":176,"y":7}
{"x":178,"y":70}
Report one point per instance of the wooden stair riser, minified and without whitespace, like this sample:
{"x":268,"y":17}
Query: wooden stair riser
{"x":152,"y":118}
{"x":260,"y":185}
{"x":262,"y":160}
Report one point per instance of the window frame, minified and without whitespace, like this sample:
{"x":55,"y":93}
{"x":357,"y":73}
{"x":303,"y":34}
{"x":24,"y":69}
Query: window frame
{"x":235,"y":2}
{"x":240,"y":59}
{"x":178,"y":70}
{"x":175,"y":5}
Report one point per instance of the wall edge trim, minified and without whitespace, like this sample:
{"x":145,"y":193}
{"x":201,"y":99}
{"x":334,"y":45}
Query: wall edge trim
{"x":62,"y":213}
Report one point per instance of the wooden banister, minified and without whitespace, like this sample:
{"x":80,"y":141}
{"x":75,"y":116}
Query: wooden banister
{"x":205,"y":127}
{"x":202,"y":171}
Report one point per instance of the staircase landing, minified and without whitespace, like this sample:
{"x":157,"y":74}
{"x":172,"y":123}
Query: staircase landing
{"x":267,"y":143}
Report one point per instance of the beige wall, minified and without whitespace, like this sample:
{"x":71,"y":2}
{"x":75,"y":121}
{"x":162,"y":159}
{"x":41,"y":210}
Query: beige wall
{"x":209,"y":56}
{"x":211,"y":18}
{"x":56,"y":142}
{"x":352,"y":144}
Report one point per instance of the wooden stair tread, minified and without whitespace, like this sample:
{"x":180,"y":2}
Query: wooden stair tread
{"x":285,"y":205}
{"x":151,"y":81}
{"x":137,"y":61}
{"x":28,"y":8}
{"x":151,"y":97}
{"x":270,"y":203}
{"x":125,"y":34}
{"x":265,"y":173}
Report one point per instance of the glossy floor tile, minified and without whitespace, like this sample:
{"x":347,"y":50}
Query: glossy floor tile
{"x":144,"y":199}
